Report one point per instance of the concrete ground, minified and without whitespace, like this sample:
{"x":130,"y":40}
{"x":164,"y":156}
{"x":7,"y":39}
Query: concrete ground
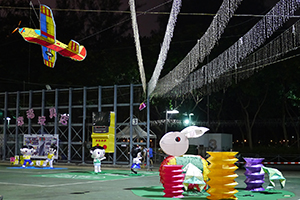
{"x":76,"y":184}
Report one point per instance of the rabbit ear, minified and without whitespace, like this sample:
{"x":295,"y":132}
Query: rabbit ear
{"x":194,"y":131}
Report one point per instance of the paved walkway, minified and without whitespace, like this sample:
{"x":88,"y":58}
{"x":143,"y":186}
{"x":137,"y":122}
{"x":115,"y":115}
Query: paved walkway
{"x":78,"y":182}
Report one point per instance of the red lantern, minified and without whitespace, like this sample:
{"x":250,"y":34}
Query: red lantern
{"x":171,"y":177}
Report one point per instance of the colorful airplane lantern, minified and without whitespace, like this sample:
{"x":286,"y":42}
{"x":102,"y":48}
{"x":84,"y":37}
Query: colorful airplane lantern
{"x":46,"y":37}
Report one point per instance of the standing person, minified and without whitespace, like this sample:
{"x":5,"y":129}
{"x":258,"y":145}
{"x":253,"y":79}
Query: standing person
{"x":151,"y":156}
{"x":144,"y":154}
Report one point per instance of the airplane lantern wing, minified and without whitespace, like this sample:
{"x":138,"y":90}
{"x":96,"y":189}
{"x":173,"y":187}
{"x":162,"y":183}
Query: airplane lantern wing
{"x":47,"y":23}
{"x":49,"y":56}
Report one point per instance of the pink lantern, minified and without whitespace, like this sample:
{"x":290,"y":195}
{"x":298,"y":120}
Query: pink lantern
{"x":142,"y":106}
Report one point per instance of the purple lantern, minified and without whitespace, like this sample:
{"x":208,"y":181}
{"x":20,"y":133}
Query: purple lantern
{"x":254,"y":174}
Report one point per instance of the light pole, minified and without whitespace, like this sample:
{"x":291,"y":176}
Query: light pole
{"x":169,"y":112}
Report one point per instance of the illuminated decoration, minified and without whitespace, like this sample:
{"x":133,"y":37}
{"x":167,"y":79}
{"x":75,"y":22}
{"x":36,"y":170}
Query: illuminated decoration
{"x":137,"y":43}
{"x":188,"y":121}
{"x":103,"y":131}
{"x":27,"y":151}
{"x":42,"y":120}
{"x":46,"y":37}
{"x":177,"y":144}
{"x":20,"y":121}
{"x":64,"y":119}
{"x":30,"y":113}
{"x":52,"y":112}
{"x":274,"y":174}
{"x":136,"y":154}
{"x":211,"y":77}
{"x":172,"y":179}
{"x":193,"y":178}
{"x":270,"y":53}
{"x":50,"y":156}
{"x":165,"y":45}
{"x":98,"y":154}
{"x":142,"y":106}
{"x":222,"y":175}
{"x":254,"y":174}
{"x":200,"y":51}
{"x":186,"y":160}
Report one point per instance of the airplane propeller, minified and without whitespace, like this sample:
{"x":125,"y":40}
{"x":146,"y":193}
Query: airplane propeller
{"x":15,"y":28}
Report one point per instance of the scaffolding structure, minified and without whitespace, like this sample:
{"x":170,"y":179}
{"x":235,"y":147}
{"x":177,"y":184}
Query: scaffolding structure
{"x":78,"y":104}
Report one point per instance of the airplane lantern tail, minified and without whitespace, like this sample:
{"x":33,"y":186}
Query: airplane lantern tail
{"x":78,"y":49}
{"x":74,"y":46}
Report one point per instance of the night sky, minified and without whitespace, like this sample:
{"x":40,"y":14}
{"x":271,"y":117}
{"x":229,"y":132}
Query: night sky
{"x":185,"y":37}
{"x":147,"y":22}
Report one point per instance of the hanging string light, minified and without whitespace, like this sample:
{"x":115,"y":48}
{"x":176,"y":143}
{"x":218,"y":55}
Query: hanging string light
{"x":165,"y":46}
{"x":199,"y":51}
{"x":137,"y":43}
{"x":211,"y":76}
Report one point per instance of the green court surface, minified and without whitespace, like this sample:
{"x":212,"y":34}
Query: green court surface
{"x":81,"y":183}
{"x":156,"y":193}
{"x":104,"y":175}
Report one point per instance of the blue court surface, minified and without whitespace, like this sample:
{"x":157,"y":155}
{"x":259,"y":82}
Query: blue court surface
{"x":31,"y":167}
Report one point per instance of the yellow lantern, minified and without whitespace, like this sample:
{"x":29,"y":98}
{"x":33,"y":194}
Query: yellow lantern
{"x":221,"y":176}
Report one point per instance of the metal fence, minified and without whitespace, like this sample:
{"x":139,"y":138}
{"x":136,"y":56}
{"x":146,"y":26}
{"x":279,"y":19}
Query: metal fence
{"x":78,"y":103}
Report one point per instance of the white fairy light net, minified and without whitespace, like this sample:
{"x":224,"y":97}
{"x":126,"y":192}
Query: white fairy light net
{"x":165,"y":46}
{"x":211,"y":77}
{"x":137,"y":43}
{"x":198,"y":52}
{"x":286,"y":42}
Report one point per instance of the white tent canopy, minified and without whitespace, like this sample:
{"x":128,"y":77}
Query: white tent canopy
{"x":137,"y":132}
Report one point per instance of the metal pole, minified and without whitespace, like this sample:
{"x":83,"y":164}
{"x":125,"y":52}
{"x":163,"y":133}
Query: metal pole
{"x":56,"y":118}
{"x":70,"y":126}
{"x":99,"y":98}
{"x":83,"y":124}
{"x":43,"y":109}
{"x":5,"y":127}
{"x":17,"y":128}
{"x":30,"y":105}
{"x":148,"y":131}
{"x":130,"y":125}
{"x":166,"y":123}
{"x":115,"y":110}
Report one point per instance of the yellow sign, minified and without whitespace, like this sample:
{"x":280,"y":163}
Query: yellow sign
{"x":105,"y":135}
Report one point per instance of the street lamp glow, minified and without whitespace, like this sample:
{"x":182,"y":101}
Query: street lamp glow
{"x":186,"y":122}
{"x":172,"y":111}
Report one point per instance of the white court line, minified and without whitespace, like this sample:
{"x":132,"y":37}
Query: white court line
{"x":22,"y":184}
{"x":30,"y":172}
{"x":66,"y":184}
